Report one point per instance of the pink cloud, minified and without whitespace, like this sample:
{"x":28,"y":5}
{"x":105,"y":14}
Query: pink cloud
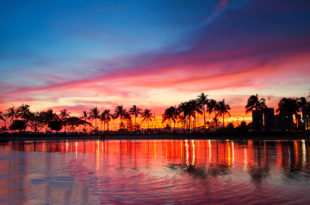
{"x":222,"y":4}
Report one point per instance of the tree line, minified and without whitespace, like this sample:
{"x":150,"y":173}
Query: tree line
{"x":184,"y":116}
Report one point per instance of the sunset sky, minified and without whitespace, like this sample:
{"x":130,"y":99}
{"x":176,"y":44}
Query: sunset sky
{"x":79,"y":54}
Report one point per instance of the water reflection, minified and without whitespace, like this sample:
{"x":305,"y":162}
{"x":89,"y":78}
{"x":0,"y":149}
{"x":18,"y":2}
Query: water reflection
{"x":111,"y":171}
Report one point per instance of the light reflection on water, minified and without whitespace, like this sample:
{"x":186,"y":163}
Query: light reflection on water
{"x":155,"y":171}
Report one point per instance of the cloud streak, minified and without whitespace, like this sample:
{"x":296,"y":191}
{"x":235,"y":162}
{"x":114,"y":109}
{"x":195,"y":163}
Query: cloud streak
{"x":236,"y":52}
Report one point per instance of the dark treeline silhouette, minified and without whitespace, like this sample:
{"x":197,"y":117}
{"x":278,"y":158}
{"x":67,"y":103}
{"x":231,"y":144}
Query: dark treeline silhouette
{"x":183,"y":118}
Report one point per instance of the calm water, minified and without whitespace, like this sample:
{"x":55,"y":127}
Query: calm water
{"x":155,"y":172}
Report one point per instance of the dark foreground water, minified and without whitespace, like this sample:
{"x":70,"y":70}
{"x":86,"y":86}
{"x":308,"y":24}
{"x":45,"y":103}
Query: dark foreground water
{"x":155,"y":172}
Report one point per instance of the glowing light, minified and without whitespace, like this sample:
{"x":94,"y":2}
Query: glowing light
{"x":304,"y":152}
{"x":194,"y":152}
{"x":245,"y":161}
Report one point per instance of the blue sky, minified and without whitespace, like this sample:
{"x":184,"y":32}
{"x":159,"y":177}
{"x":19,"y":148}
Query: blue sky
{"x":77,"y":53}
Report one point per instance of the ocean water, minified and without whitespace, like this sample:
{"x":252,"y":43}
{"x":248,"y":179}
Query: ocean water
{"x":155,"y":172}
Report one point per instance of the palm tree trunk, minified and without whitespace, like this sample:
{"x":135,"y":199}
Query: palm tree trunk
{"x":223,"y":120}
{"x":135,"y":124}
{"x":174,"y":127}
{"x":204,"y":118}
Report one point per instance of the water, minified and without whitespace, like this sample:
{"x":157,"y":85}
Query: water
{"x":155,"y":172}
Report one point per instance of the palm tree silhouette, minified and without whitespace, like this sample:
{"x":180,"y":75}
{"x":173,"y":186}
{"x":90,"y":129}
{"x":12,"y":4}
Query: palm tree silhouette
{"x":102,"y":120}
{"x":106,"y":117}
{"x":203,"y":102}
{"x":304,"y":106}
{"x":189,"y":110}
{"x":12,"y":113}
{"x":211,"y":107}
{"x":36,"y":121}
{"x":3,"y":118}
{"x":74,"y":122}
{"x":127,"y":117}
{"x":24,"y":112}
{"x":255,"y":103}
{"x":48,"y":116}
{"x":223,"y":109}
{"x":64,"y":115}
{"x":94,"y":115}
{"x":170,"y":114}
{"x":120,"y":112}
{"x":147,"y":116}
{"x":287,"y":108}
{"x":135,"y":111}
{"x":84,"y":117}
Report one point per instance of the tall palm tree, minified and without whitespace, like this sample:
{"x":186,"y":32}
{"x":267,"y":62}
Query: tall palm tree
{"x":170,"y":114}
{"x":84,"y":116}
{"x":64,"y":115}
{"x":189,"y":110}
{"x":203,"y":102}
{"x":120,"y":112}
{"x":127,"y":117}
{"x":102,"y":120}
{"x":255,"y":103}
{"x":94,"y":115}
{"x":287,"y":108}
{"x":107,"y":117}
{"x":135,"y":111}
{"x":223,"y":109}
{"x":197,"y":108}
{"x":211,"y":107}
{"x":147,"y":116}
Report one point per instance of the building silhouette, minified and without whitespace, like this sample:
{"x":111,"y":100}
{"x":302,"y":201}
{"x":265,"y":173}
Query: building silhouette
{"x":269,"y":118}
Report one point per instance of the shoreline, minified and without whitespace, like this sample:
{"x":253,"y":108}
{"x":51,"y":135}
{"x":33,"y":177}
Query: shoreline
{"x":8,"y":137}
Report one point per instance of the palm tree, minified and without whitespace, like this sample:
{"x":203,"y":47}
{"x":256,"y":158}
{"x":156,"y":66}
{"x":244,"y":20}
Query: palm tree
{"x":170,"y":114}
{"x":287,"y":108}
{"x":135,"y":111}
{"x":120,"y":112}
{"x":203,"y":102}
{"x":189,"y":110}
{"x":36,"y":121}
{"x":74,"y":122}
{"x":94,"y":115}
{"x":107,"y":117}
{"x":24,"y":112}
{"x":48,"y":116}
{"x":12,"y":113}
{"x":211,"y":107}
{"x":223,"y":109}
{"x":255,"y":103}
{"x":214,"y":123}
{"x":147,"y":116}
{"x":197,"y":109}
{"x":102,"y":120}
{"x":64,"y":115}
{"x":304,"y":107}
{"x":127,"y":117}
{"x":3,"y":118}
{"x":84,"y":117}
